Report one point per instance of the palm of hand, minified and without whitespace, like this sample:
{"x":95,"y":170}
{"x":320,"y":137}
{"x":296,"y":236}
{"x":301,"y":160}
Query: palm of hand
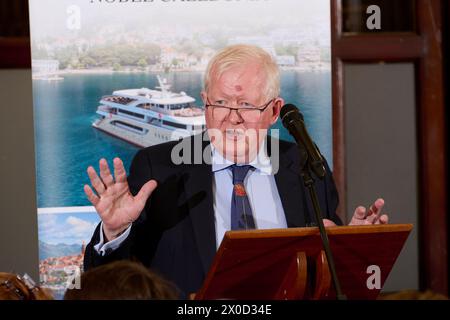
{"x":114,"y":203}
{"x":117,"y":206}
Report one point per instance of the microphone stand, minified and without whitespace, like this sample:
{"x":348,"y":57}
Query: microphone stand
{"x":309,"y":184}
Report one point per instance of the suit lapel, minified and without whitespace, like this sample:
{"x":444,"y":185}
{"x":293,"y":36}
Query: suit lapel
{"x":290,"y":187}
{"x":198,"y":188}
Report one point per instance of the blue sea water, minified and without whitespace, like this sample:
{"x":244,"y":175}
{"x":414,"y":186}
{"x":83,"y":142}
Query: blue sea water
{"x":66,"y":143}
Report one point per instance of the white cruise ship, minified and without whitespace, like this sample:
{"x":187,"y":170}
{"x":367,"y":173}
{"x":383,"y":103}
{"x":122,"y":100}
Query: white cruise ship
{"x":146,"y":117}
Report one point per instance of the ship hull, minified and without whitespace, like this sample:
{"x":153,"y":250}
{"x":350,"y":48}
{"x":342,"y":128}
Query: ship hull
{"x":151,"y":135}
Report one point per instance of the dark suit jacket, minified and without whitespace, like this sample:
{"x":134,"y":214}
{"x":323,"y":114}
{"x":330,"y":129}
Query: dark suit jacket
{"x":175,"y":234}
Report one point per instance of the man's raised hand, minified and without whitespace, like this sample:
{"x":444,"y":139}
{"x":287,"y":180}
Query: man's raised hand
{"x":114,"y":203}
{"x":361,"y":216}
{"x":372,"y":215}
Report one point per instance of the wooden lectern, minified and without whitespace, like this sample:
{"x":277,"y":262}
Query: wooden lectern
{"x":290,"y":264}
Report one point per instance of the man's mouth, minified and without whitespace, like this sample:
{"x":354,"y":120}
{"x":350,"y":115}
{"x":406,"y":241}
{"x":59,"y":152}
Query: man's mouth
{"x":234,"y":134}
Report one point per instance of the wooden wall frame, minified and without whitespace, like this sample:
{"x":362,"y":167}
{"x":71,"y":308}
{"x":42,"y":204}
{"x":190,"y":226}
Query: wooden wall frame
{"x":15,"y":53}
{"x":425,"y":50}
{"x":14,"y":35}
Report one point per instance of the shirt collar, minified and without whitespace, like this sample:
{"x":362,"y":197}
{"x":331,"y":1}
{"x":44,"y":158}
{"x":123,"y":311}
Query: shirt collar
{"x":261,"y":162}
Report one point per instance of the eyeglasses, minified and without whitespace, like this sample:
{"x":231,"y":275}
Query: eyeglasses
{"x":246,"y":111}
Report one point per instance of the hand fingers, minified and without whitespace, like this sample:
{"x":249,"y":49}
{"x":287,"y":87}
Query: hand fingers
{"x":370,"y":211}
{"x":328,"y":223}
{"x":105,"y":174}
{"x":384,"y":219}
{"x":372,"y":216}
{"x":378,"y":206}
{"x":95,"y":181}
{"x":375,"y":208}
{"x":119,"y":171}
{"x":90,"y":195}
{"x":145,"y":192}
{"x":358,"y":216}
{"x":360,"y":213}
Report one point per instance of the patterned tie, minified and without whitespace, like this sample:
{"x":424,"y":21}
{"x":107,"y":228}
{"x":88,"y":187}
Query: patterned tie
{"x":241,"y":212}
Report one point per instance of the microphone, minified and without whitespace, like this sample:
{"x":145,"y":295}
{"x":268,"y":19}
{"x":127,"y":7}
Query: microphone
{"x":293,"y":121}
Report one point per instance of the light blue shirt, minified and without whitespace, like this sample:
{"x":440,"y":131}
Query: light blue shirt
{"x":261,"y":190}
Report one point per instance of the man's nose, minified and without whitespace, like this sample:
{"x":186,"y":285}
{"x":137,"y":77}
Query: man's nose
{"x":234,"y":117}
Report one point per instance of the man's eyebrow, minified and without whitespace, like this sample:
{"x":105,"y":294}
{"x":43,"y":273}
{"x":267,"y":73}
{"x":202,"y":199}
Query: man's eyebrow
{"x":222,"y":96}
{"x":228,"y":97}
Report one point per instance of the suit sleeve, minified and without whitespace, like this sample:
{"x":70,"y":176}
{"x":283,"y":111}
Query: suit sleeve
{"x":140,"y":173}
{"x":331,"y":197}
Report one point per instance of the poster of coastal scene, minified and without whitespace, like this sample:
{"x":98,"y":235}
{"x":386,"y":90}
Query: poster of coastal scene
{"x":63,"y":234}
{"x":113,"y":76}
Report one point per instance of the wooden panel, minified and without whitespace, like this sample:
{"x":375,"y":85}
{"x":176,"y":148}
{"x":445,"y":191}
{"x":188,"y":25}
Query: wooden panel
{"x":432,"y":143}
{"x":15,"y":53}
{"x":14,"y":35}
{"x":396,"y":15}
{"x":380,"y":47}
{"x":14,"y":19}
{"x":242,"y":268}
{"x":338,"y":109}
{"x":426,"y":50}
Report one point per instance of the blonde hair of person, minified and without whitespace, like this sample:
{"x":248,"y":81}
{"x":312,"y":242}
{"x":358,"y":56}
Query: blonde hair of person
{"x":241,"y":54}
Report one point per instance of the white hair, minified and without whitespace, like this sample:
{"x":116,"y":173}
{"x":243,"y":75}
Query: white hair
{"x":241,"y":54}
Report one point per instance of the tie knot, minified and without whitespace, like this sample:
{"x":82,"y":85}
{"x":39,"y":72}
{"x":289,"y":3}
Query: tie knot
{"x":239,"y":173}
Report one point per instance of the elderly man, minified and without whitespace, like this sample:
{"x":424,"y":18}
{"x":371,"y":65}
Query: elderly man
{"x":172,"y":217}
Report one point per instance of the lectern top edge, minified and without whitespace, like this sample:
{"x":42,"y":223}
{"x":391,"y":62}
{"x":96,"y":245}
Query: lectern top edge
{"x":290,"y":232}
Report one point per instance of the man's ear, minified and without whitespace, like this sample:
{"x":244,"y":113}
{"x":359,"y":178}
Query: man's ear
{"x":276,"y":108}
